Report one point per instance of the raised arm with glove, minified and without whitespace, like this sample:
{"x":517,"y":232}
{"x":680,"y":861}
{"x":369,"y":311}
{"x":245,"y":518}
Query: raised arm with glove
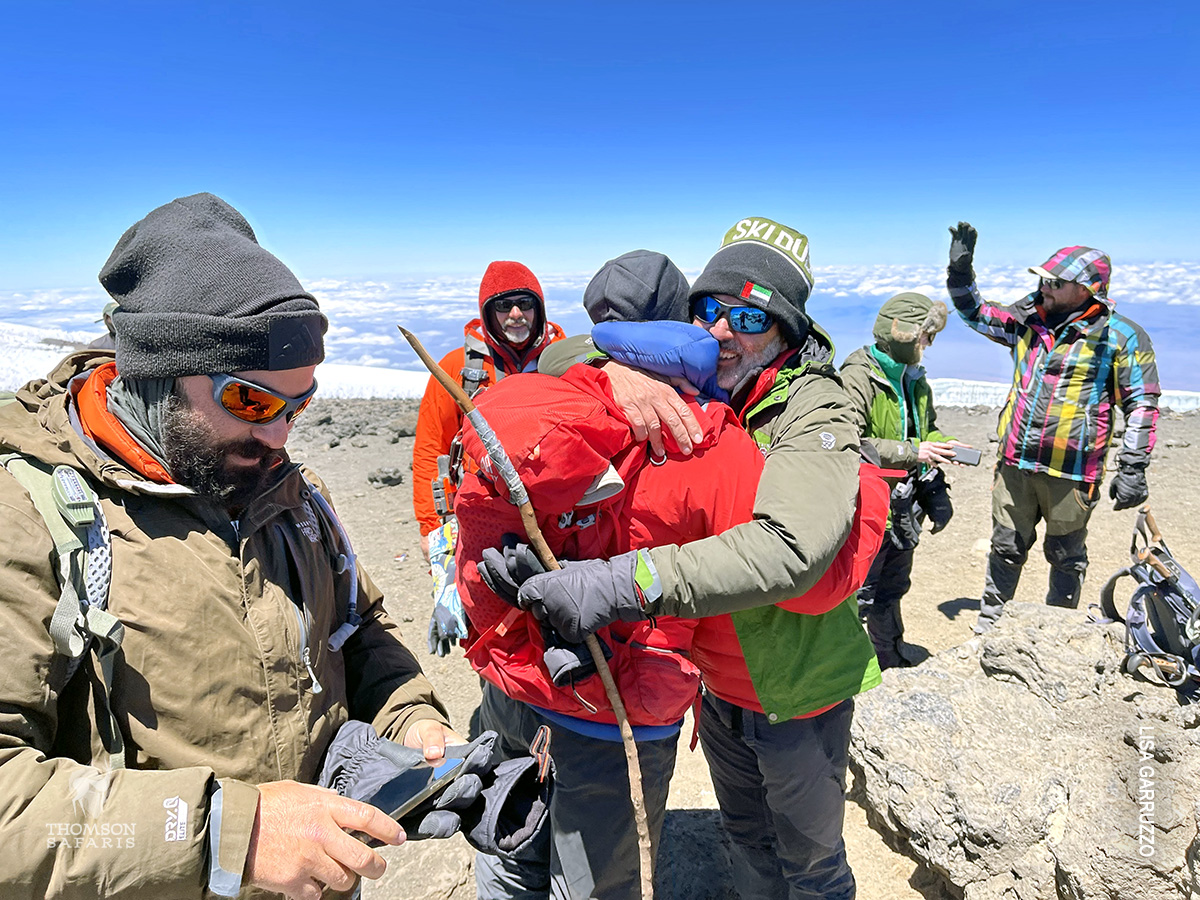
{"x":961,"y":270}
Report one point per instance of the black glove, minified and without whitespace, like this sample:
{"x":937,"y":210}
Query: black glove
{"x":584,"y":596}
{"x":961,"y":271}
{"x":933,"y":499}
{"x":1128,"y":487}
{"x":515,"y":814}
{"x":904,"y":530}
{"x":506,"y":569}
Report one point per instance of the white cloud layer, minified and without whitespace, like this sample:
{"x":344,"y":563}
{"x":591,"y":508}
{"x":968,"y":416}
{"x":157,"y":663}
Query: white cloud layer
{"x":364,"y":314}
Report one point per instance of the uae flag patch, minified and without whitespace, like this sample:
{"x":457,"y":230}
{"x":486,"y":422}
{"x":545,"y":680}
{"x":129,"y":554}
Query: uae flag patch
{"x":757,"y":292}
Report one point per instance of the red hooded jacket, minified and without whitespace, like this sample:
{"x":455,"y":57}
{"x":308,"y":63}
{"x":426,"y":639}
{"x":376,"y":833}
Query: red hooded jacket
{"x":439,"y":418}
{"x":561,"y":433}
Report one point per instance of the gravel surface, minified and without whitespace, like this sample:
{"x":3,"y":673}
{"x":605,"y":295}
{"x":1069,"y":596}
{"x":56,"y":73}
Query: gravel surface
{"x":348,"y":441}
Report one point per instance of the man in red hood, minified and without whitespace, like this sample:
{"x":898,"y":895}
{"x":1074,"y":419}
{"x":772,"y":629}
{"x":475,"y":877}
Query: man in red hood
{"x":508,"y":337}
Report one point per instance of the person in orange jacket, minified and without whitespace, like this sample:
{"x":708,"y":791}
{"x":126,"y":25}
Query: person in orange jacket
{"x":508,"y":337}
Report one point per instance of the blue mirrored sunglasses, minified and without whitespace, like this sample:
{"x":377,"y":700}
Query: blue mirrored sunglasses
{"x":256,"y":404}
{"x":745,"y":319}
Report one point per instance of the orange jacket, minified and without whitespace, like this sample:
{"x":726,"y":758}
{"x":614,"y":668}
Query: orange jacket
{"x":439,"y":418}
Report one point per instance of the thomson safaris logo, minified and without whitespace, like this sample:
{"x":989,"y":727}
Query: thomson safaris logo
{"x":87,"y":789}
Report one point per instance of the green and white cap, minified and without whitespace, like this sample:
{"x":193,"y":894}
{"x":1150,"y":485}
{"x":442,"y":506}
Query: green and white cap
{"x":766,"y":265}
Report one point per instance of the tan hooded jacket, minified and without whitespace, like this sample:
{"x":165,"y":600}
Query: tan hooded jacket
{"x":210,"y":688}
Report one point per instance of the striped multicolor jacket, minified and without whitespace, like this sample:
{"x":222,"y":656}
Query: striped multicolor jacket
{"x":1058,"y":417}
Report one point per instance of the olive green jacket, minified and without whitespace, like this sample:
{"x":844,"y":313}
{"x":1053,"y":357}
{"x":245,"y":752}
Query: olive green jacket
{"x":806,"y":496}
{"x":881,"y":413}
{"x":211,"y":692}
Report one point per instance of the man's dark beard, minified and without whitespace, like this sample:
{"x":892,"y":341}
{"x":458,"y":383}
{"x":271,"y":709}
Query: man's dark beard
{"x":197,"y":459}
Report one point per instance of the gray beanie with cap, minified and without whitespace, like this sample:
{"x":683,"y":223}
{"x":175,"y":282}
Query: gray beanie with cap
{"x":197,"y":295}
{"x":638,"y":286}
{"x":763,"y":264}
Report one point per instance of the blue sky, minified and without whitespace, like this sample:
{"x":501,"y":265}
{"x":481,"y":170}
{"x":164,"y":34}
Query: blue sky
{"x":369,"y":139}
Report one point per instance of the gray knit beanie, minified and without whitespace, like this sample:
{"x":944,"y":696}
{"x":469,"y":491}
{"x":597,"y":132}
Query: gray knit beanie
{"x":765,"y":264}
{"x":197,"y":295}
{"x":639,"y":286}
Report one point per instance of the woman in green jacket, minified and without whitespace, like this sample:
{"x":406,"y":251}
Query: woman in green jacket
{"x":894,"y":406}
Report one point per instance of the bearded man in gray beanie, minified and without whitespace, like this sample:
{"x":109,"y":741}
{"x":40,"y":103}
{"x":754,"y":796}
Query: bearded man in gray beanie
{"x":779,"y":642}
{"x":192,"y":747}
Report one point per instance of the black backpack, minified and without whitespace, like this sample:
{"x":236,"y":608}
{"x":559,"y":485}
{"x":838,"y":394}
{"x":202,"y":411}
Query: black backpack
{"x":1162,"y":619}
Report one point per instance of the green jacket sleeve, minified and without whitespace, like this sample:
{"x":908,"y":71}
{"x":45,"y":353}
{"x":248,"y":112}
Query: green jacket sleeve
{"x":561,"y":355}
{"x":933,"y":434}
{"x":862,"y":391}
{"x":803,"y":511}
{"x":70,"y":830}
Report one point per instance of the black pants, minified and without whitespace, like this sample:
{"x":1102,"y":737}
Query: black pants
{"x":879,"y":601}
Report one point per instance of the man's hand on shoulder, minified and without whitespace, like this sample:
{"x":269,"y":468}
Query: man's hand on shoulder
{"x":300,"y":840}
{"x":650,"y":405}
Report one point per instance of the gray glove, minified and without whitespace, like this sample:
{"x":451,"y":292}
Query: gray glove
{"x":961,"y":271}
{"x":501,"y":807}
{"x":584,"y":596}
{"x":363,"y":766}
{"x":1128,"y":487}
{"x":504,"y":571}
{"x":446,"y":627}
{"x":568,"y":663}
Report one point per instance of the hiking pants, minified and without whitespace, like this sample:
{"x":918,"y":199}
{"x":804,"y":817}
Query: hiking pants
{"x":593,"y":850}
{"x":782,"y":793}
{"x":1020,"y":500}
{"x":879,"y":598}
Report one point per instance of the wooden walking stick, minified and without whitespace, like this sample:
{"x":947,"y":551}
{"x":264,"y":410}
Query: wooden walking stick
{"x":520,"y":499}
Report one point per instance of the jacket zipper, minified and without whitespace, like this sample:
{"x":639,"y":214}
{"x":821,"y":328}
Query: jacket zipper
{"x":305,"y":654}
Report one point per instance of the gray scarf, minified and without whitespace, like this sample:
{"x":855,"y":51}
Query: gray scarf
{"x":139,"y":404}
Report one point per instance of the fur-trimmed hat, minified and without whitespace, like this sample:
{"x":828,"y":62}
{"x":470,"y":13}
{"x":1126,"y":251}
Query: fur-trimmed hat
{"x":766,"y":265}
{"x":901,"y":322}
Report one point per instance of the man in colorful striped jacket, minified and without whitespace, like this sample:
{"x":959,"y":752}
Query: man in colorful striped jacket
{"x":1075,"y":360}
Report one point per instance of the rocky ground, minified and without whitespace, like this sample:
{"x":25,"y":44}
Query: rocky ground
{"x":349,"y":441}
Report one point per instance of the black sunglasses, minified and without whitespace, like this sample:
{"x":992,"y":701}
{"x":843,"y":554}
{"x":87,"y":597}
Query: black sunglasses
{"x":523,"y":302}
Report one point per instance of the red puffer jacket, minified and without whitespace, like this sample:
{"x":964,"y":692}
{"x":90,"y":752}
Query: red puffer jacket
{"x":561,"y":434}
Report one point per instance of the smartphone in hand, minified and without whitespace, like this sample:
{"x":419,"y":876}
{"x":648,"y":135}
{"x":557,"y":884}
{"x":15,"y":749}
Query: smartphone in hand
{"x":411,"y":788}
{"x":967,"y":456}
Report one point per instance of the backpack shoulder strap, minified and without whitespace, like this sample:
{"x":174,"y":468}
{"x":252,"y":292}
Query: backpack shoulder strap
{"x":83,"y":559}
{"x":475,"y":353}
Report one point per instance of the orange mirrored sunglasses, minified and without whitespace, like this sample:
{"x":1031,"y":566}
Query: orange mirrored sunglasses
{"x":256,"y":404}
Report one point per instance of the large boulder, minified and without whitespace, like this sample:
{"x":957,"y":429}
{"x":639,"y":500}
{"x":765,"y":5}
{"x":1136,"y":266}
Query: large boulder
{"x":1024,"y":764}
